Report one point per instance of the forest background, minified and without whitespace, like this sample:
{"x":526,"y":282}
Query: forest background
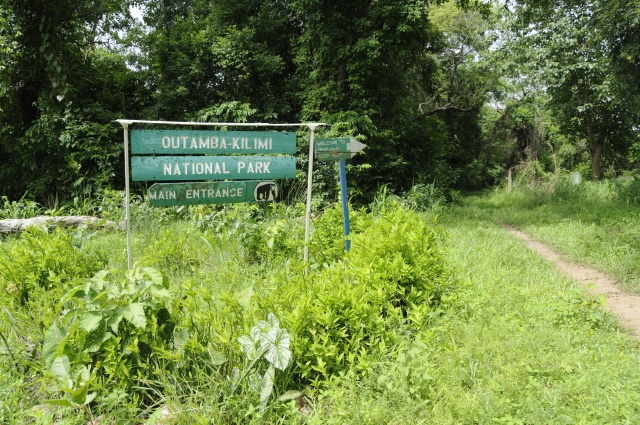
{"x":448,"y":93}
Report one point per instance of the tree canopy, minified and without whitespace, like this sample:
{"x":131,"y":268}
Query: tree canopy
{"x":451,"y":93}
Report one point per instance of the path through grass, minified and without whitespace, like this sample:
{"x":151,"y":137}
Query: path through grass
{"x":517,"y":344}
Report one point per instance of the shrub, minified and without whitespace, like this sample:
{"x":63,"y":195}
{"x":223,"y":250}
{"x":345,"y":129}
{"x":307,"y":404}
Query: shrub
{"x":111,"y":335}
{"x":42,"y":260}
{"x":345,"y":314}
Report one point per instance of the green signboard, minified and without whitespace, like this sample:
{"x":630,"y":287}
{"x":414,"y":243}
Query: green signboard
{"x":337,"y":148}
{"x":170,"y":194}
{"x":172,"y":168}
{"x":191,"y":142}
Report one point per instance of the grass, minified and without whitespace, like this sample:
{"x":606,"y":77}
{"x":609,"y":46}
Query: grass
{"x":518,"y":344}
{"x":597,"y":224}
{"x":511,"y":342}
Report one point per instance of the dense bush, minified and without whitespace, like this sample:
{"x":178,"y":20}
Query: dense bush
{"x":45,"y":260}
{"x":345,"y":314}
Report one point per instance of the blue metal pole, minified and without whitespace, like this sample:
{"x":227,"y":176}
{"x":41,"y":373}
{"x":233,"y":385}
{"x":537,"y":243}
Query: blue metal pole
{"x":345,"y":204}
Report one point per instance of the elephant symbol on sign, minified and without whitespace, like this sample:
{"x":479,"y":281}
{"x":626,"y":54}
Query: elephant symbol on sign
{"x":266,"y":191}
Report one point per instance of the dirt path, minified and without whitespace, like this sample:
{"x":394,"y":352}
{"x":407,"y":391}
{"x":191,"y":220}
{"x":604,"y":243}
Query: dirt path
{"x":625,"y":306}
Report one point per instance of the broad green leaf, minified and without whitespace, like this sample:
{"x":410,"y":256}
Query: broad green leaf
{"x":217,"y":358}
{"x":277,"y":349}
{"x":115,"y":319}
{"x":74,"y":292}
{"x":290,"y":395}
{"x":59,"y":402}
{"x":90,"y":320}
{"x":267,"y":387}
{"x":54,"y":341}
{"x":60,"y":368}
{"x":155,"y":276}
{"x":134,"y":313}
{"x":79,"y":396}
{"x":250,"y":347}
{"x":180,"y":337}
{"x":95,"y":339}
{"x":159,"y":291}
{"x":273,"y":322}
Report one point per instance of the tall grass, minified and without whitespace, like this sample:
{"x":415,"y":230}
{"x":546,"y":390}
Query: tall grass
{"x":597,"y":223}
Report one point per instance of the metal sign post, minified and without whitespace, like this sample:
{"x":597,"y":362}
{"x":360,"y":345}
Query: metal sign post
{"x":180,"y":155}
{"x":339,"y":149}
{"x":307,"y":227}
{"x":345,"y":205}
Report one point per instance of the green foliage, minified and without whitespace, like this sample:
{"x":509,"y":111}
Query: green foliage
{"x":515,"y":343}
{"x":582,"y":307}
{"x":266,"y":232}
{"x":41,"y":261}
{"x":416,"y":317}
{"x":345,"y":314}
{"x":110,"y":335}
{"x":269,"y":342}
{"x":22,"y":208}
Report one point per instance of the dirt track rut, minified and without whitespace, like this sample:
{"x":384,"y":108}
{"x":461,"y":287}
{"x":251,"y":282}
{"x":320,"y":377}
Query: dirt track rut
{"x":625,"y":306}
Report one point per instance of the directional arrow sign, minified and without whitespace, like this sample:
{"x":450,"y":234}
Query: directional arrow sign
{"x":169,"y":194}
{"x":171,"y":168}
{"x":338,"y":148}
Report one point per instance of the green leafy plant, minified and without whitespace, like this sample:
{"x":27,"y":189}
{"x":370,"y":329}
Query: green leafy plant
{"x":110,"y":334}
{"x":347,"y":312}
{"x":45,"y":260}
{"x":23,"y":208}
{"x":269,"y":342}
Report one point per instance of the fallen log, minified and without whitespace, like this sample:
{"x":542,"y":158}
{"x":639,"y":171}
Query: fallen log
{"x":16,"y":225}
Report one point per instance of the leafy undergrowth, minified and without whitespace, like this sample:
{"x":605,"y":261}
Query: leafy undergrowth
{"x":218,"y":321}
{"x":221,"y":322}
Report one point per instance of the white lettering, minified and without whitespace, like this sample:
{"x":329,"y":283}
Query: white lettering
{"x":153,"y":194}
{"x":204,"y":143}
{"x":261,"y":144}
{"x":241,"y":166}
{"x":223,"y":143}
{"x":266,"y":167}
{"x":166,"y":169}
{"x":235,"y":142}
{"x":208,"y":168}
{"x":166,"y":142}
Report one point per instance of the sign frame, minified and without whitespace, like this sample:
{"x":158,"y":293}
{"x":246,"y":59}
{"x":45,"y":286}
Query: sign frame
{"x":125,"y":123}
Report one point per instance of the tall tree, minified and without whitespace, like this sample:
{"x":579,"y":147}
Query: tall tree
{"x":574,"y":58}
{"x":57,"y":121}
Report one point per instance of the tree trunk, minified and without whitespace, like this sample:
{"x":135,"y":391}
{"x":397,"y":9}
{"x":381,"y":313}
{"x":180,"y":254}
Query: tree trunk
{"x":596,"y":167}
{"x":16,"y":225}
{"x":595,"y":146}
